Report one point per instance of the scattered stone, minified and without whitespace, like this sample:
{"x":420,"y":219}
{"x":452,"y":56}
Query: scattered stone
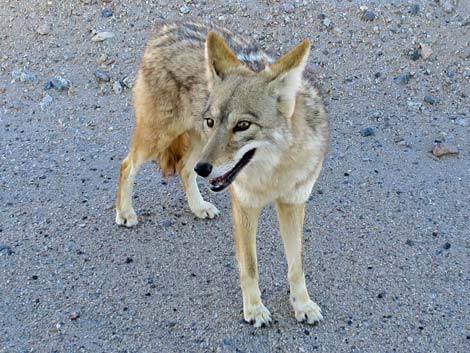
{"x":368,"y":131}
{"x":126,"y":82}
{"x":44,"y":29}
{"x":45,"y":102}
{"x":447,"y":6}
{"x":368,"y":15}
{"x":74,"y":316}
{"x":414,"y":9}
{"x":117,"y":87}
{"x":431,"y":99}
{"x":426,"y":51}
{"x":5,"y":249}
{"x":34,"y":277}
{"x":327,"y":22}
{"x":60,"y":84}
{"x":442,"y":149}
{"x":381,"y":295}
{"x":185,"y":9}
{"x":48,"y":85}
{"x":287,"y":7}
{"x":102,"y":36}
{"x":23,"y":76}
{"x":415,"y":54}
{"x":403,"y":79}
{"x":106,"y":12}
{"x":102,"y":59}
{"x":3,"y":89}
{"x":410,"y":242}
{"x":129,"y":260}
{"x":450,"y":74}
{"x":102,"y":75}
{"x":167,"y":223}
{"x":446,"y":246}
{"x":228,"y":342}
{"x":462,"y":122}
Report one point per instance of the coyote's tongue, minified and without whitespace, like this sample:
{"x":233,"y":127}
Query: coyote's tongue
{"x":221,"y":182}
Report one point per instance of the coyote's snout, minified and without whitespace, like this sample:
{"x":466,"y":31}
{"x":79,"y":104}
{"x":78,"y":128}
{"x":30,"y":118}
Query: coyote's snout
{"x":210,"y":103}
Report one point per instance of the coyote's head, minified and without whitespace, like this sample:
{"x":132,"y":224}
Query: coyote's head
{"x":248,"y":114}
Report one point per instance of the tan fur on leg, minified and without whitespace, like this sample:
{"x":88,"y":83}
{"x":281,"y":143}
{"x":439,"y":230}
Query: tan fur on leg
{"x":245,"y":221}
{"x":291,"y":220}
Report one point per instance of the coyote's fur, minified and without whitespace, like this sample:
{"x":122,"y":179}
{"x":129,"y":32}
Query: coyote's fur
{"x":210,"y":102}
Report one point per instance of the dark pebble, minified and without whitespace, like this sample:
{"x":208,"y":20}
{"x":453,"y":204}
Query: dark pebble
{"x":410,"y":242}
{"x":102,"y":75}
{"x":415,"y":55}
{"x":307,"y":332}
{"x":167,"y":223}
{"x":431,"y":100}
{"x":368,"y":131}
{"x":381,"y":295}
{"x":228,"y":342}
{"x":48,"y":85}
{"x":34,"y":277}
{"x":403,"y":79}
{"x":350,"y":322}
{"x":450,"y":74}
{"x":129,"y":260}
{"x":446,"y":246}
{"x":106,"y":12}
{"x":74,"y":316}
{"x":435,"y":233}
{"x":414,"y":9}
{"x":60,"y":83}
{"x":6,"y":249}
{"x":368,"y":15}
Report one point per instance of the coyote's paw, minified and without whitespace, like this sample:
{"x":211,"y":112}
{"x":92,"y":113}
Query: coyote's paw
{"x":127,"y":219}
{"x":309,"y":312}
{"x":205,"y":210}
{"x":257,"y":315}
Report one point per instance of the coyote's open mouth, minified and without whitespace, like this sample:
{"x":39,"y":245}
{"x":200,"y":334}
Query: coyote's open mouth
{"x":221,"y":182}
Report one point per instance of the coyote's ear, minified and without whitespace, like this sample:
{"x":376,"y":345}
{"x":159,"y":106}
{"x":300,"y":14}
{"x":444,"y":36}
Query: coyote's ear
{"x":220,"y":59}
{"x":286,"y":76}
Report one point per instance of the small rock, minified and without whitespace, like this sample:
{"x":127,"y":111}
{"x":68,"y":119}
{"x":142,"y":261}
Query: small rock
{"x":34,"y":277}
{"x":415,"y":54}
{"x":185,"y":9}
{"x":3,"y":89}
{"x":48,"y":85}
{"x":426,"y":51}
{"x":117,"y":87}
{"x":106,"y":12}
{"x":129,"y":260}
{"x":414,"y":9}
{"x":447,"y":6}
{"x":446,"y":246}
{"x":45,"y":102}
{"x":431,"y":99}
{"x":327,"y":22}
{"x":23,"y":76}
{"x":403,"y":79}
{"x":442,"y":149}
{"x":126,"y":82}
{"x":5,"y":249}
{"x":228,"y":342}
{"x":44,"y":29}
{"x":167,"y":223}
{"x":102,"y":36}
{"x":60,"y":84}
{"x":368,"y":131}
{"x":368,"y":15}
{"x":410,"y":242}
{"x":102,"y":75}
{"x":287,"y":7}
{"x":462,"y":122}
{"x":102,"y":59}
{"x":74,"y":316}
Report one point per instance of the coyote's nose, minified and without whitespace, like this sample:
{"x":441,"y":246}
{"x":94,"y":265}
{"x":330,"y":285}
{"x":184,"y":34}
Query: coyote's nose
{"x":203,"y":169}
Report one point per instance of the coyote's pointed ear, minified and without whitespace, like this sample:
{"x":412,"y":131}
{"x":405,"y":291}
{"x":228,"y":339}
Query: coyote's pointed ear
{"x":286,"y":76}
{"x":220,"y":59}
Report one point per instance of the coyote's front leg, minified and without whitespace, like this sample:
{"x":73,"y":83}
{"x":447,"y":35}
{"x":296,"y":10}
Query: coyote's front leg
{"x":291,"y":220}
{"x":245,"y":221}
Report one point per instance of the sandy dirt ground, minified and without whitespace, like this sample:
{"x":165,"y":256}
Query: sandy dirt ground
{"x":387,"y":227}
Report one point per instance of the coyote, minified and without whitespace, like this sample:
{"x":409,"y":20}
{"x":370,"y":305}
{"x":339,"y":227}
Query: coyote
{"x":211,"y":103}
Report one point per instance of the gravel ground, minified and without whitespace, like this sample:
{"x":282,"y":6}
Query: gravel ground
{"x":386,"y":239}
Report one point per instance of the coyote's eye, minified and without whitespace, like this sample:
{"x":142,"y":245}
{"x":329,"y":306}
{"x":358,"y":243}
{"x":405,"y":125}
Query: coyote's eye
{"x":210,"y":122}
{"x":242,"y":126}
